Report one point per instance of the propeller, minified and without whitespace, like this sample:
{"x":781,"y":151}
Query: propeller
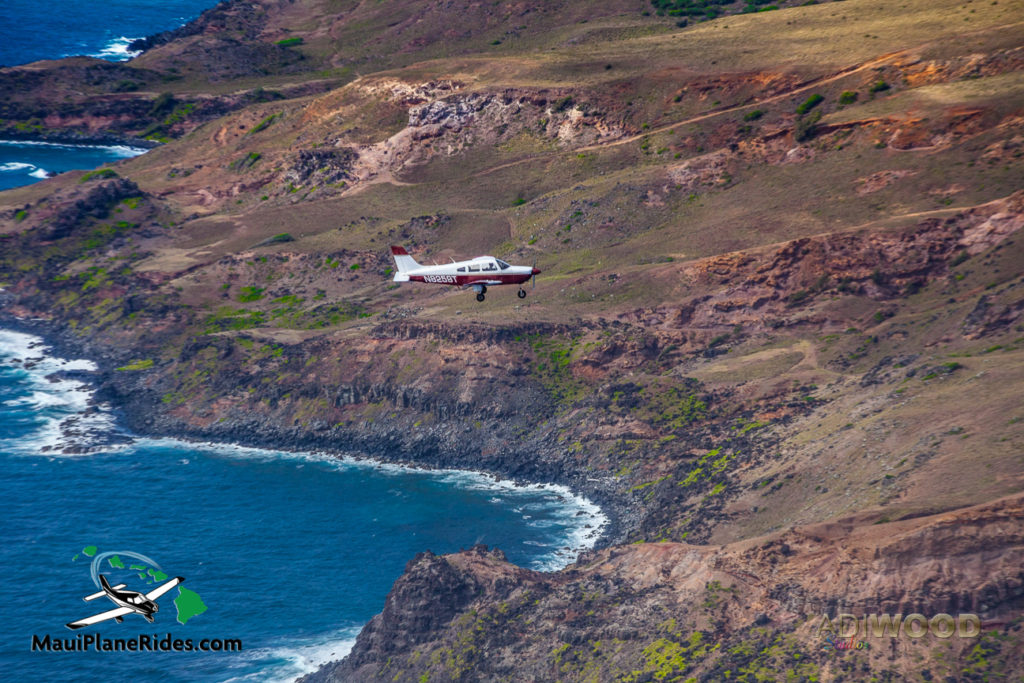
{"x":534,"y":271}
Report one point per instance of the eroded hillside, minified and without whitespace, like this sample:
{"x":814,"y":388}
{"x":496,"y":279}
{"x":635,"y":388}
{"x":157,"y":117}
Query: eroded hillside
{"x":778,"y":332}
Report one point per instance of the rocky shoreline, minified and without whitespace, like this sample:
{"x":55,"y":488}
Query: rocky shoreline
{"x":777,"y":339}
{"x":144,"y":418}
{"x":83,"y":139}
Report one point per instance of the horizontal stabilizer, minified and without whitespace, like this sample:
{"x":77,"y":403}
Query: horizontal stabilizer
{"x":101,"y":593}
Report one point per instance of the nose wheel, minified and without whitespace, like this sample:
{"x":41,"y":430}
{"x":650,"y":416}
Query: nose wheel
{"x":521,"y":293}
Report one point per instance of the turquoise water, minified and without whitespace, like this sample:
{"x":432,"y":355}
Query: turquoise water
{"x":23,"y":163}
{"x":31,"y":30}
{"x":291,"y":553}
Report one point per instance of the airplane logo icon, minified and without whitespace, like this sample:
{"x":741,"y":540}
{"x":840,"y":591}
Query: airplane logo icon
{"x":128,"y":602}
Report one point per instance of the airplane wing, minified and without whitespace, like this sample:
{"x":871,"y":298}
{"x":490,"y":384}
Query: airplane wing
{"x":102,"y":616}
{"x":160,"y":590}
{"x":101,"y":593}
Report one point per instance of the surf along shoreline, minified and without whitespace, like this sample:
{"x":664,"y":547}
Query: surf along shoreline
{"x":130,"y":419}
{"x":136,"y":414}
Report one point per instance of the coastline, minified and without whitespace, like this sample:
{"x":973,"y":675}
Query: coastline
{"x":61,"y":347}
{"x":74,"y":374}
{"x":65,"y":140}
{"x":143,"y":419}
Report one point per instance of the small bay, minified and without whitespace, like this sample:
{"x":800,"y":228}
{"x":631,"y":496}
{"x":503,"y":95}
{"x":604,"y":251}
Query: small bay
{"x":290,"y":552}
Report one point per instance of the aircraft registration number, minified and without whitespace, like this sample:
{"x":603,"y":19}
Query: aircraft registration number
{"x":445,"y":279}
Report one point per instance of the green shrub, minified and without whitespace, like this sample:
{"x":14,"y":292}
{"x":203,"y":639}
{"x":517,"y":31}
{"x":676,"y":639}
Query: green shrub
{"x":847,"y":97}
{"x":806,"y":126}
{"x":809,"y":104}
{"x":289,"y":42}
{"x":137,"y":365}
{"x":564,"y":103}
{"x":250,"y":294}
{"x":163,"y":103}
{"x":98,"y":174}
{"x":263,"y":125}
{"x":879,"y":86}
{"x":277,"y":239}
{"x":753,"y":115}
{"x":798,"y":297}
{"x":245,"y":162}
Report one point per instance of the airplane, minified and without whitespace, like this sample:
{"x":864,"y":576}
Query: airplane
{"x":127,"y":602}
{"x":478,"y":273}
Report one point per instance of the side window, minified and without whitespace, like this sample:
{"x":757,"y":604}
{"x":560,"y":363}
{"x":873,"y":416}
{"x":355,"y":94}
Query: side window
{"x":462,"y":270}
{"x":474,"y":269}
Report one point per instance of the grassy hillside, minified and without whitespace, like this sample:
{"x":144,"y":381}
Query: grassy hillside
{"x":780,"y":304}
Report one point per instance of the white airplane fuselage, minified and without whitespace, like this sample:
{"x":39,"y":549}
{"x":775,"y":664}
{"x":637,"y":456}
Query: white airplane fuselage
{"x":479,"y":273}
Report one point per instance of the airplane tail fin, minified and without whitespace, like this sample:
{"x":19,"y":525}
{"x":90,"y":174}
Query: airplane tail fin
{"x":105,"y":583}
{"x":403,"y":262}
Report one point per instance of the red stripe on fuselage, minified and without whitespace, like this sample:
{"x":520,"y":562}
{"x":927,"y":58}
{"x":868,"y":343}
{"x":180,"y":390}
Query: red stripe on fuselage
{"x":464,"y":280}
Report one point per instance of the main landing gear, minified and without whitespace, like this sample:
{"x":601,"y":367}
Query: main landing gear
{"x":521,"y":293}
{"x":480,"y":291}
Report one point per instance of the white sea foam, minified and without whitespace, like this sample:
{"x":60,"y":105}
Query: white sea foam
{"x":40,"y":173}
{"x":289,"y":661}
{"x":582,"y":521}
{"x":64,"y":404}
{"x":65,"y":421}
{"x":124,"y":151}
{"x":15,"y":166}
{"x":117,"y":49}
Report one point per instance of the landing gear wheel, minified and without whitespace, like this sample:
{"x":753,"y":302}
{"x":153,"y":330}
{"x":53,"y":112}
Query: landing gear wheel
{"x":480,"y":296}
{"x":522,"y":293}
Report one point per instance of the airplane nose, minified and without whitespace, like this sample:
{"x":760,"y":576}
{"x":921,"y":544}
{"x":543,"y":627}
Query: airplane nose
{"x":536,"y":271}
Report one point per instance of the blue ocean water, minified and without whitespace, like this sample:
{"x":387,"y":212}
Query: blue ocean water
{"x":30,"y":31}
{"x":23,"y":163}
{"x":291,"y":553}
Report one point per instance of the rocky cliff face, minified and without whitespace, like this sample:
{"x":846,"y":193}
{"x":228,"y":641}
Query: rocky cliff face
{"x":744,"y":610}
{"x":777,"y":335}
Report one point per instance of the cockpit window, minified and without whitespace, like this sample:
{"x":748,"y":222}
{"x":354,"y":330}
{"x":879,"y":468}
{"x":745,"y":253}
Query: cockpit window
{"x":490,"y":266}
{"x":502,"y":264}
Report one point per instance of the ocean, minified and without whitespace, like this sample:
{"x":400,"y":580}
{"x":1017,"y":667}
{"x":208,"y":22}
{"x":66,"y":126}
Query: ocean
{"x":287,"y":553}
{"x":291,"y":553}
{"x":24,"y":163}
{"x":30,"y":31}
